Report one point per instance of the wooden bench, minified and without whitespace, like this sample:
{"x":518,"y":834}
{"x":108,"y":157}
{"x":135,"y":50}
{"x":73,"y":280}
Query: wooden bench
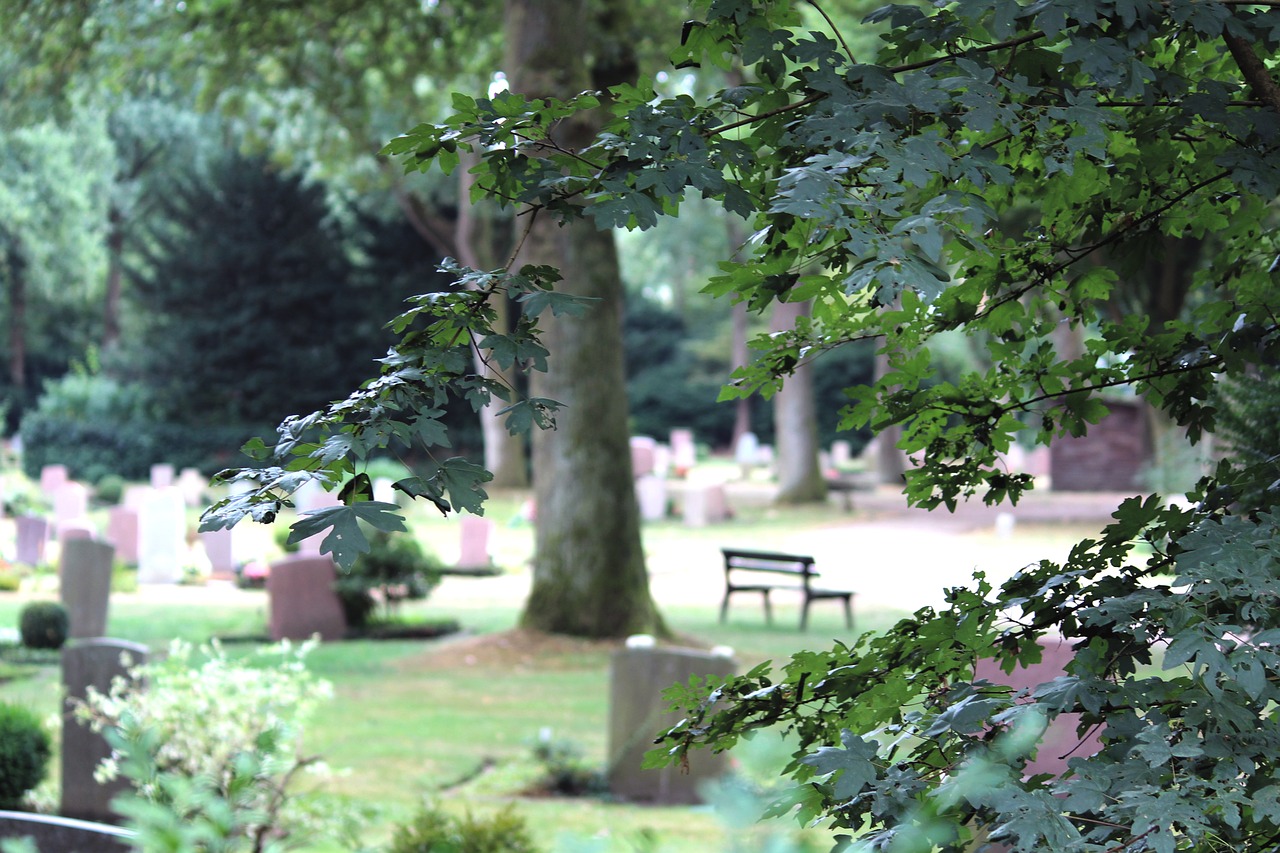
{"x":758,"y":563}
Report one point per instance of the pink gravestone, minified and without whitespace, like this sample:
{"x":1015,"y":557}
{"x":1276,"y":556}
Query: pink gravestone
{"x":684,"y":454}
{"x":192,"y":484}
{"x":1060,"y":742}
{"x":218,"y":548}
{"x":705,"y":505}
{"x":651,"y":495}
{"x":161,"y":476}
{"x":475,"y":541}
{"x":122,"y":533}
{"x":643,"y":455}
{"x":52,"y":478}
{"x":33,"y":533}
{"x":303,"y":602}
{"x":70,"y":506}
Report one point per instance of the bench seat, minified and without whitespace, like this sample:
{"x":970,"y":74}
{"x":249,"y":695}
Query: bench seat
{"x":800,"y":567}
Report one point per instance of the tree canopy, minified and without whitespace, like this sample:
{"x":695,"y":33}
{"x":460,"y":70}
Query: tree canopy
{"x":1001,"y":170}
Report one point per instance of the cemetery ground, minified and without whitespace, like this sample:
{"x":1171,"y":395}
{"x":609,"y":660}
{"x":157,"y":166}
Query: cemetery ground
{"x":456,"y":719}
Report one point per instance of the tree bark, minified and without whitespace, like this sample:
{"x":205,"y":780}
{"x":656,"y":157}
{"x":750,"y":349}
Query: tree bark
{"x":891,"y":462}
{"x":17,"y":318}
{"x":795,"y":423}
{"x":589,"y":577}
{"x":115,"y":275}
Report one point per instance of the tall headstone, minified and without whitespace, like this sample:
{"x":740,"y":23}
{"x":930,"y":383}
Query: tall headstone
{"x":841,"y":453}
{"x":33,"y":533}
{"x":122,"y":533}
{"x":219,"y":547}
{"x":747,"y":452}
{"x":684,"y":453}
{"x":651,"y":494}
{"x":162,"y":536}
{"x":162,"y":475}
{"x":637,"y":713}
{"x":70,"y":506}
{"x":85,"y":569}
{"x":303,"y":603}
{"x":135,"y":496}
{"x":90,"y":663}
{"x":192,"y":483}
{"x":475,"y":541}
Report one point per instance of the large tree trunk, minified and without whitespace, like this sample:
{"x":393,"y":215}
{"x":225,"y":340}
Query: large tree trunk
{"x":115,"y":274}
{"x":589,"y":577}
{"x":17,"y":319}
{"x":795,"y":424}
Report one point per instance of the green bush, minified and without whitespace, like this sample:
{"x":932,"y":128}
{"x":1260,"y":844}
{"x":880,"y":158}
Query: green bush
{"x":434,"y":831}
{"x":109,"y":489}
{"x":10,"y":578}
{"x":43,"y":625}
{"x":24,"y":754}
{"x":395,"y":568}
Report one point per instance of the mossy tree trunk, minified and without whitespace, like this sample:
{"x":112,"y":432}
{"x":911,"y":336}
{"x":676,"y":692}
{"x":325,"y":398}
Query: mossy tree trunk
{"x":795,"y":423}
{"x":589,"y":573}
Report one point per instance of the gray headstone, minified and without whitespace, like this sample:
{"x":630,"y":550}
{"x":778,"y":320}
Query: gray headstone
{"x":637,"y":714}
{"x":303,"y":603}
{"x":162,"y":536}
{"x":219,"y":548}
{"x":643,"y":455}
{"x":33,"y":533}
{"x":85,"y":569}
{"x":90,"y":663}
{"x":1060,"y":742}
{"x":52,"y":834}
{"x":192,"y":484}
{"x":122,"y":533}
{"x":747,"y":451}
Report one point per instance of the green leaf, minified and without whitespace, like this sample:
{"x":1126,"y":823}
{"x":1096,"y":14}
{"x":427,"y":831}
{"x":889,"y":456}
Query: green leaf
{"x":852,"y":763}
{"x":345,"y":540}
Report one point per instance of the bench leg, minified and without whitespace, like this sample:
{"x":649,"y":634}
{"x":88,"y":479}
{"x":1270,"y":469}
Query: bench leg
{"x":804,"y":614}
{"x":768,"y":607}
{"x":724,"y":608}
{"x":848,"y":612}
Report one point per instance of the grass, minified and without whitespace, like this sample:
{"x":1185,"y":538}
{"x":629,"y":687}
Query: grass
{"x":417,"y":719}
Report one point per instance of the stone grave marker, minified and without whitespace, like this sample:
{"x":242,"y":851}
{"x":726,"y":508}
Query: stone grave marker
{"x":122,"y":533}
{"x":219,"y":547}
{"x":90,"y":663}
{"x":192,"y":483}
{"x":70,"y":506}
{"x":747,"y":452}
{"x":637,"y":714}
{"x":33,"y":533}
{"x":162,"y":475}
{"x":841,"y":453}
{"x":303,"y":603}
{"x":53,"y":834}
{"x":684,"y":453}
{"x":1060,"y":742}
{"x":162,"y":536}
{"x":662,"y":460}
{"x":643,"y":455}
{"x":651,"y":494}
{"x":52,"y":478}
{"x":85,"y":588}
{"x":135,"y":496}
{"x":475,"y":542}
{"x":704,"y":504}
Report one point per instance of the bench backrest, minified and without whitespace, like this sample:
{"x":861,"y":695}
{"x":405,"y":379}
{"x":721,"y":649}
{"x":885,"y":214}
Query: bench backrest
{"x":768,"y":561}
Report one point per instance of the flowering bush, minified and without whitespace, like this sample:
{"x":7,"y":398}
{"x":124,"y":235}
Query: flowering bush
{"x":210,"y":747}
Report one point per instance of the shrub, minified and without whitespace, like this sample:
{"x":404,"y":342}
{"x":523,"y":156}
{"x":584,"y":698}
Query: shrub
{"x":109,"y":489}
{"x":10,"y":577}
{"x":564,"y":769}
{"x":394,"y":568}
{"x":24,"y":754}
{"x":434,"y":831}
{"x":44,"y":625}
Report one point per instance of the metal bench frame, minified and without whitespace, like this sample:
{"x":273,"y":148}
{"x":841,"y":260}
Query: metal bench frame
{"x":795,"y":565}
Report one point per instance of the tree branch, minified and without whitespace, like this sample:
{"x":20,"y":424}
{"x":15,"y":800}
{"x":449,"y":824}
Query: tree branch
{"x":1255,"y":72}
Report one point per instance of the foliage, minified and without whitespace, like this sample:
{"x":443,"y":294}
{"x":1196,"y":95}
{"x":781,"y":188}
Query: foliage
{"x":1248,"y":429}
{"x":892,"y":192}
{"x":565,"y":771}
{"x":44,"y":625}
{"x":395,"y":568}
{"x":211,"y":748}
{"x":432,"y":830}
{"x":109,"y":489}
{"x":24,"y":753}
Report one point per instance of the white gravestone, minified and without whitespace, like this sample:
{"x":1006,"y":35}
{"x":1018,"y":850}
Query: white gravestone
{"x":162,"y":536}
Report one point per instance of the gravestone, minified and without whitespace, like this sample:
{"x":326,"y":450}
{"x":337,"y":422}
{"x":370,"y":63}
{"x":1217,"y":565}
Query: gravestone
{"x":705,"y":504}
{"x":52,"y":478}
{"x":53,"y":834}
{"x":219,"y":547}
{"x":303,"y":603}
{"x":33,"y":533}
{"x":192,"y":484}
{"x":162,"y":476}
{"x":162,"y":536}
{"x":637,"y":714}
{"x":684,"y":453}
{"x":662,"y":460}
{"x":135,"y":496}
{"x":747,"y":452}
{"x":85,"y":570}
{"x":122,"y":533}
{"x":75,"y":530}
{"x":841,"y":453}
{"x":70,"y":506}
{"x":475,"y":542}
{"x":643,"y":455}
{"x":1060,"y":742}
{"x":90,"y":663}
{"x":651,"y":494}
